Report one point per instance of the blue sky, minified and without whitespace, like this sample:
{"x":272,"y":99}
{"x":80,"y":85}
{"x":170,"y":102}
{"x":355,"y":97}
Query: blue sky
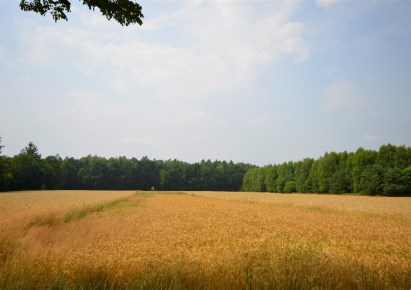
{"x":250,"y":81}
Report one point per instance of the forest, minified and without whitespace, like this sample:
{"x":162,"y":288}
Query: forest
{"x":383,"y":172}
{"x":29,"y":171}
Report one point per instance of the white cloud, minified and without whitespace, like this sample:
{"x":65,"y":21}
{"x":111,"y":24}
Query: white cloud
{"x":174,"y":76}
{"x":370,"y":137}
{"x":120,"y":86}
{"x":170,"y":18}
{"x":218,"y":46}
{"x":51,"y":46}
{"x":341,"y":95}
{"x":326,"y":3}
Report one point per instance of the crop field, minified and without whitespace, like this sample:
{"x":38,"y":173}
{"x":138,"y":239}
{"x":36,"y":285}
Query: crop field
{"x":203,"y":240}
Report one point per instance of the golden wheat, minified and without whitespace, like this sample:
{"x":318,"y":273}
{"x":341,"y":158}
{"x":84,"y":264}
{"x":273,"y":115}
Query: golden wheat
{"x":213,"y":240}
{"x":349,"y":203}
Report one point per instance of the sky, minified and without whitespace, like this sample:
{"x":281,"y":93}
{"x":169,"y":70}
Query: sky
{"x":261,"y":82}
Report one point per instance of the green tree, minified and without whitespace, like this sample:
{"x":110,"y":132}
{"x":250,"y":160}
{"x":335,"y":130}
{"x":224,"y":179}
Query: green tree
{"x":220,"y":175}
{"x":254,"y":180}
{"x":407,"y":180}
{"x":6,"y":175}
{"x":124,"y":12}
{"x":259,"y":185}
{"x":248,"y":180}
{"x":280,"y":183}
{"x":270,"y":178}
{"x":234,"y":175}
{"x":172,"y":176}
{"x":2,"y":169}
{"x":1,"y":146}
{"x":148,"y":174}
{"x":52,"y":172}
{"x":289,"y":187}
{"x":163,"y":178}
{"x":285,"y":173}
{"x":386,"y":155}
{"x":340,"y":181}
{"x":360,"y":161}
{"x":28,"y":169}
{"x":387,"y":172}
{"x":313,"y":179}
{"x":31,"y":150}
{"x":402,"y":157}
{"x":120,"y":173}
{"x":208,"y":180}
{"x":94,"y":172}
{"x":394,"y":182}
{"x":328,"y":165}
{"x":70,"y":168}
{"x":114,"y":174}
{"x":371,"y":181}
{"x":302,"y":174}
{"x":127,"y":171}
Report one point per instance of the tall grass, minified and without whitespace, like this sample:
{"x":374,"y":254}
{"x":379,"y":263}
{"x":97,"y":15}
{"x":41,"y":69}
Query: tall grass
{"x":292,"y":268}
{"x":183,"y":242}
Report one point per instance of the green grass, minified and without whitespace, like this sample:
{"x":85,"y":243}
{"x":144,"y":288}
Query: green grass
{"x":80,"y":213}
{"x":53,"y":219}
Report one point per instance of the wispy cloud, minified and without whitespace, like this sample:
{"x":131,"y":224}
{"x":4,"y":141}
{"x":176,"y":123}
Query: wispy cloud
{"x":120,"y":85}
{"x":225,"y":47}
{"x":341,"y":95}
{"x":326,"y":3}
{"x":370,"y":137}
{"x":206,"y":79}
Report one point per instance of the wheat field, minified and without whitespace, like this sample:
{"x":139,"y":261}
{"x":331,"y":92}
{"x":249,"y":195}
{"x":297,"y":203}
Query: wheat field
{"x":203,"y":240}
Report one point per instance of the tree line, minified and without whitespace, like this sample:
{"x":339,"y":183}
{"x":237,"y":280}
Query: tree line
{"x":384,"y":172}
{"x":29,"y":171}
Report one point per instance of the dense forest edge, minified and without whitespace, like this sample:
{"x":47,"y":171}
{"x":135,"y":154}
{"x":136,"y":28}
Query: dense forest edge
{"x":29,"y":171}
{"x":385,"y":172}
